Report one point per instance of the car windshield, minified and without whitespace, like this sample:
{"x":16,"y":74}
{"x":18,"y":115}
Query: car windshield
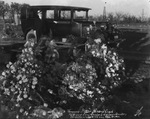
{"x":50,"y":14}
{"x":80,"y":15}
{"x":65,"y":14}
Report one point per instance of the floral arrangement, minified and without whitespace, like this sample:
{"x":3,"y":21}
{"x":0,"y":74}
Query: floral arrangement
{"x":113,"y":64}
{"x":91,"y":77}
{"x":38,"y":86}
{"x":20,"y":83}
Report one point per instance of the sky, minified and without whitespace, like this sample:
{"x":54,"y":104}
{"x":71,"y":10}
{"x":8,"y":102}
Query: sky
{"x":133,"y":7}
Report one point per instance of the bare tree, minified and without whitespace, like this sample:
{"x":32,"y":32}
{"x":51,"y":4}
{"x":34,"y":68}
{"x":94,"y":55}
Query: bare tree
{"x":111,"y":17}
{"x":4,"y":9}
{"x":119,"y":16}
{"x":15,"y":9}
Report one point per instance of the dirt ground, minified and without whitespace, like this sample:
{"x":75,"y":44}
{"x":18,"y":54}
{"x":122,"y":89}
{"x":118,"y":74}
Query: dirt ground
{"x":137,"y":67}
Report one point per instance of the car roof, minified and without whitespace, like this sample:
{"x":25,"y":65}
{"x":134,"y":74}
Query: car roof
{"x":59,"y":7}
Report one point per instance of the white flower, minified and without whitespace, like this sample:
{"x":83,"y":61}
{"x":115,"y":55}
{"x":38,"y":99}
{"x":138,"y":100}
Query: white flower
{"x":25,"y":80}
{"x":30,"y":59}
{"x":25,"y":60}
{"x":25,"y":92}
{"x":71,"y":78}
{"x":115,"y":84}
{"x":33,"y":86}
{"x":12,"y":67}
{"x":23,"y":69}
{"x":89,"y":92}
{"x":30,"y":98}
{"x":20,"y":92}
{"x":32,"y":44}
{"x":34,"y":79}
{"x":27,"y":55}
{"x":104,"y":52}
{"x":113,"y":58}
{"x":12,"y":89}
{"x":19,"y":98}
{"x":102,"y":99}
{"x":84,"y":90}
{"x":7,"y":92}
{"x":21,"y":110}
{"x":71,"y":87}
{"x":25,"y":50}
{"x":34,"y":82}
{"x":3,"y":74}
{"x":26,"y":113}
{"x":30,"y":50}
{"x":88,"y":66}
{"x":36,"y":65}
{"x":22,"y":52}
{"x":104,"y":46}
{"x":17,"y":117}
{"x":1,"y":78}
{"x":90,"y":78}
{"x":23,"y":77}
{"x":112,"y":70}
{"x":114,"y":74}
{"x":17,"y":105}
{"x":45,"y":105}
{"x":8,"y":65}
{"x":20,"y":82}
{"x":98,"y":54}
{"x":25,"y":95}
{"x":16,"y":86}
{"x":98,"y":40}
{"x":82,"y":75}
{"x":99,"y":91}
{"x":114,"y":54}
{"x":33,"y":71}
{"x":50,"y":91}
{"x":44,"y":113}
{"x":109,"y":75}
{"x":12,"y":71}
{"x":26,"y":44}
{"x":80,"y":97}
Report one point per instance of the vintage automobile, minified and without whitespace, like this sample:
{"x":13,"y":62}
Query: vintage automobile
{"x":62,"y":21}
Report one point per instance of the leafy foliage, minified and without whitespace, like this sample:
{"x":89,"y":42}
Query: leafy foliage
{"x":4,"y":8}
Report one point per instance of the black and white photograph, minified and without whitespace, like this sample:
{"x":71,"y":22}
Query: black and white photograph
{"x":74,"y":59}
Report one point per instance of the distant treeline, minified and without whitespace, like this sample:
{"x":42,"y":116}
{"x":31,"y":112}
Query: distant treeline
{"x":121,"y":18}
{"x":8,"y":11}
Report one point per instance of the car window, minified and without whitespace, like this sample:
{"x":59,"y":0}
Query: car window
{"x":65,"y":14}
{"x":80,"y":15}
{"x":50,"y":14}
